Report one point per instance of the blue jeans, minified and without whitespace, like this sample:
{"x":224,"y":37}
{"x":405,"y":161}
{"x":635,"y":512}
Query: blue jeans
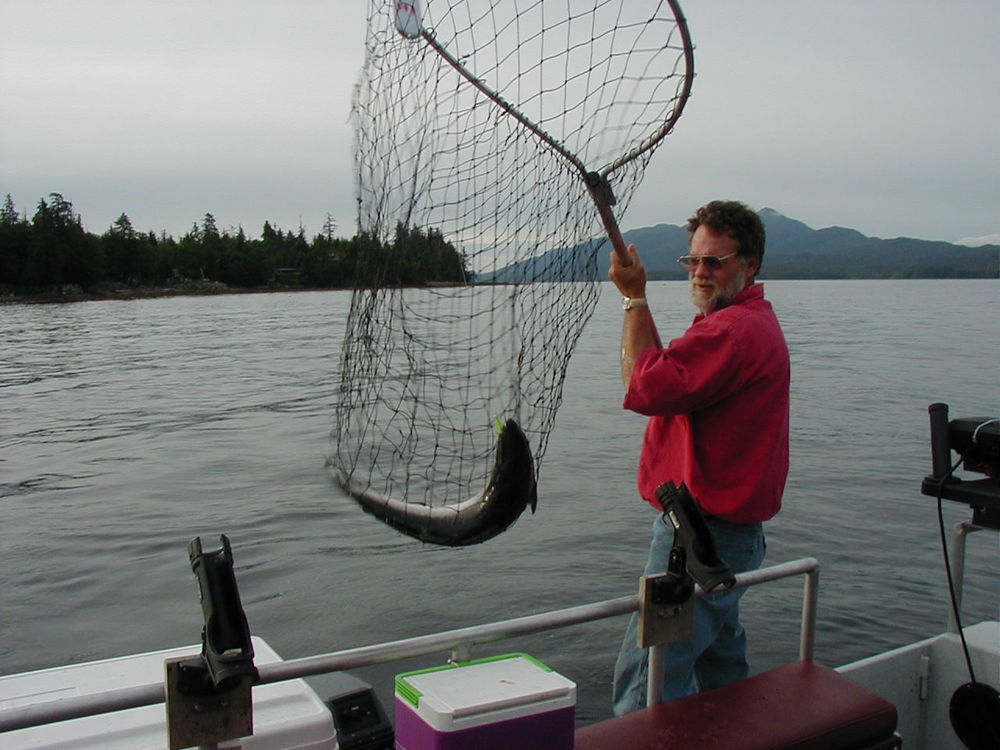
{"x":716,"y":653}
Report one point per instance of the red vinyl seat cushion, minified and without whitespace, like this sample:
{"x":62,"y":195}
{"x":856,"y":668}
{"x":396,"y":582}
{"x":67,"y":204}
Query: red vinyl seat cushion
{"x":799,"y":706}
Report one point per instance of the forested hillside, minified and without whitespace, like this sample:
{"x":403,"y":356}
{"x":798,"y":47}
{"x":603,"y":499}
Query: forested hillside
{"x":52,"y":252}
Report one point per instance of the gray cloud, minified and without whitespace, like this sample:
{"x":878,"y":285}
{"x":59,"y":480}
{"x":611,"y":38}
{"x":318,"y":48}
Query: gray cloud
{"x":880,"y":116}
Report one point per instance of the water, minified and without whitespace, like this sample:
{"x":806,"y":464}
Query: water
{"x":128,"y":428}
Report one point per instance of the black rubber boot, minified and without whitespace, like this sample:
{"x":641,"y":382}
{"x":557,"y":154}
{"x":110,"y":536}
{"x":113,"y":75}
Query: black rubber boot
{"x":692,"y":534}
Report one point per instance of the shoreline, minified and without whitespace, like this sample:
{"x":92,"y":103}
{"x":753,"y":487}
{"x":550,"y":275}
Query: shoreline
{"x":74,"y":293}
{"x":199,"y":289}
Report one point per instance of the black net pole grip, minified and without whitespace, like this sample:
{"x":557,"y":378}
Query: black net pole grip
{"x":940,"y":447}
{"x":604,"y":199}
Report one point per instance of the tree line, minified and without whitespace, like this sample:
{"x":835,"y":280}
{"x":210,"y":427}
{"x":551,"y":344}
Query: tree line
{"x":52,"y":250}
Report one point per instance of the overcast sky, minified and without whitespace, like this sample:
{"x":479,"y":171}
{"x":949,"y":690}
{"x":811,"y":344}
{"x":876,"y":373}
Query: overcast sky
{"x":880,"y":115}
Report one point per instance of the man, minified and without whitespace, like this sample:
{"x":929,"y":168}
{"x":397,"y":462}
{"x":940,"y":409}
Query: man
{"x":717,"y":398}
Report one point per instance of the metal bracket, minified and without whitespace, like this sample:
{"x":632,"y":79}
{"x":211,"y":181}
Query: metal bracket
{"x":198,"y":715}
{"x":666,"y":604}
{"x":662,"y":620}
{"x":600,"y":188}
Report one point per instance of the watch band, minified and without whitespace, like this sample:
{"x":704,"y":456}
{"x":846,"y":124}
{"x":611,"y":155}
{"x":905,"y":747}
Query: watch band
{"x":629,"y":302}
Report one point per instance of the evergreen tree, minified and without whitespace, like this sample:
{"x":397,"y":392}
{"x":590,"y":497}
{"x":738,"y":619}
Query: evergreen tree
{"x":272,"y":244}
{"x":60,"y":251}
{"x":164,"y":258}
{"x":417,"y":257}
{"x":8,"y":214}
{"x":329,"y":228}
{"x":189,"y":262}
{"x":248,"y":264}
{"x":128,"y":254}
{"x":118,"y":249}
{"x":213,"y":251}
{"x":15,"y":238}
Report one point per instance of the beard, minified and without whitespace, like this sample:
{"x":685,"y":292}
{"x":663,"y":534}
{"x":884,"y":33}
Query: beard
{"x":711,"y":297}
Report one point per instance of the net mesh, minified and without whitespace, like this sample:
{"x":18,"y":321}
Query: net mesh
{"x":479,"y":133}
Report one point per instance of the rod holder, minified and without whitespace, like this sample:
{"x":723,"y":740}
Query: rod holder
{"x":208,"y":697}
{"x":940,"y":448}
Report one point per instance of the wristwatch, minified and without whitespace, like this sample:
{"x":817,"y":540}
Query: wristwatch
{"x":629,"y":302}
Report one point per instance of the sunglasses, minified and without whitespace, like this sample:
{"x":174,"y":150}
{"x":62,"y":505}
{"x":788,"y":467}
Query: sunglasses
{"x":714,"y":262}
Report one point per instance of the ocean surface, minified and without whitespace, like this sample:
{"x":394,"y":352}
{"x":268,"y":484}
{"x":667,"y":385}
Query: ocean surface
{"x":127,"y":428}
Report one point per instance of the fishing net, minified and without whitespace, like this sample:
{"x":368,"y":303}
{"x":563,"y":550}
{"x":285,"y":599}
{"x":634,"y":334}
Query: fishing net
{"x":486,"y":132}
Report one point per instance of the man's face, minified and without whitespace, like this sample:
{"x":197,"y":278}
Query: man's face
{"x":712,"y":290}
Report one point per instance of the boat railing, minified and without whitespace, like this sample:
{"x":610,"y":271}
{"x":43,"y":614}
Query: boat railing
{"x":458,"y":642}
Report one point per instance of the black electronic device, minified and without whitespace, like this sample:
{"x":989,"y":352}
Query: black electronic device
{"x":976,"y":441}
{"x":358,"y":715}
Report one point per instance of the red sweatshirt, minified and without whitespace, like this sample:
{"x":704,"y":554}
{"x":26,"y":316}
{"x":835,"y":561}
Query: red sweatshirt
{"x":718,"y":404}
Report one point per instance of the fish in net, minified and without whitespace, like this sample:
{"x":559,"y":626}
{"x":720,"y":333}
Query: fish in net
{"x":486,"y":135}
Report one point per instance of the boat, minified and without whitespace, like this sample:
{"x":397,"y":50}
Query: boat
{"x":234,"y":691}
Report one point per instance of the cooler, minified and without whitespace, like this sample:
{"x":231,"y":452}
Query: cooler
{"x":510,"y":701}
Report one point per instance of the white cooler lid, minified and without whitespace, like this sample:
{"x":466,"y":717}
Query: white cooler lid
{"x":516,"y":684}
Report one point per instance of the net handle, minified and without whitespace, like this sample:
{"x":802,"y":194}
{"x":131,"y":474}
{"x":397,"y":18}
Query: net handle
{"x":604,"y":199}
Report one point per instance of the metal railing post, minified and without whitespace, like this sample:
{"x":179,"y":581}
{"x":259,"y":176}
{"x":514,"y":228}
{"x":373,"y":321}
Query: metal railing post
{"x":960,"y":532}
{"x":656,"y":669}
{"x":810,"y":602}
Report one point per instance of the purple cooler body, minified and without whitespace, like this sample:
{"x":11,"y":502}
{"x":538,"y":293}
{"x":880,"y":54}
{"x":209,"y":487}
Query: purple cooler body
{"x":511,"y":701}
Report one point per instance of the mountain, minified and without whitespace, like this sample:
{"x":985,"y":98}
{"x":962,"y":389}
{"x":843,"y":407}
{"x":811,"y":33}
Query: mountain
{"x":793,"y":251}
